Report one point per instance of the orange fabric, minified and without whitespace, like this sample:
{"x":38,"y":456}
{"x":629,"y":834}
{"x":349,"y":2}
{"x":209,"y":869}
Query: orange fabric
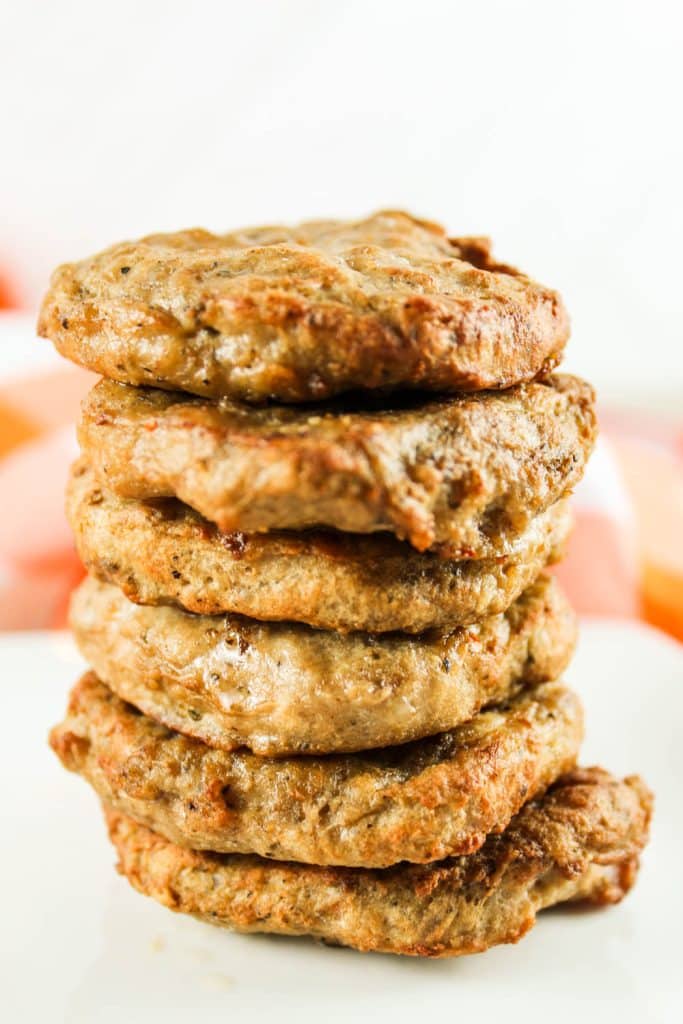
{"x":612,"y":589}
{"x":653,"y":472}
{"x":9,"y":295}
{"x":623,"y":561}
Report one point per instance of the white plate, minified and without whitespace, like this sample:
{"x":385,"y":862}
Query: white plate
{"x":78,"y":944}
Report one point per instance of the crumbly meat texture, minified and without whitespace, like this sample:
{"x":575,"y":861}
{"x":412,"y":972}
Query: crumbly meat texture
{"x":463,"y":475}
{"x":306,"y":312}
{"x":284,"y":688}
{"x":419,"y":802}
{"x":580,"y":841}
{"x":163,"y":552}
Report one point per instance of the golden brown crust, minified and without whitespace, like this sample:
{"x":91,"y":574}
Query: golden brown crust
{"x":420,"y":802}
{"x":163,"y":552}
{"x":306,"y":312}
{"x":580,"y":841}
{"x":284,"y":688}
{"x":465,"y":475}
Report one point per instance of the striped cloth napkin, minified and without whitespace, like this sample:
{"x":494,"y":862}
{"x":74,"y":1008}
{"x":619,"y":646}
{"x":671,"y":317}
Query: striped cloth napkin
{"x":625,"y":558}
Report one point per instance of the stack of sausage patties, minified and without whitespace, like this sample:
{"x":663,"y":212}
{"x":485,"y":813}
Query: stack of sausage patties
{"x":319,"y":487}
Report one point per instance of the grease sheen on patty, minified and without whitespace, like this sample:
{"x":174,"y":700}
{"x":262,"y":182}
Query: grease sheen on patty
{"x":283,"y":688}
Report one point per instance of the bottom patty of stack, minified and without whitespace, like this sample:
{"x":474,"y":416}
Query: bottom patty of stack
{"x":579,"y":841}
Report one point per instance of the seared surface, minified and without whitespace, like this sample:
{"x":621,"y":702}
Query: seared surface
{"x":464,"y":475}
{"x":419,"y":802}
{"x":163,"y":552}
{"x":581,"y":840}
{"x":283,"y":688}
{"x":305,"y":312}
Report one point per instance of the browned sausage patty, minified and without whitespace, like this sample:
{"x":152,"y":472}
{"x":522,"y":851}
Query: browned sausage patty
{"x":306,"y":312}
{"x":462,"y":475}
{"x":418,"y":802}
{"x":162,"y":552}
{"x":284,"y":688}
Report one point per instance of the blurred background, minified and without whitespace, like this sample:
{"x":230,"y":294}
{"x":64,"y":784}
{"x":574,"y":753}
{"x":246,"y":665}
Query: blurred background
{"x":554,"y":128}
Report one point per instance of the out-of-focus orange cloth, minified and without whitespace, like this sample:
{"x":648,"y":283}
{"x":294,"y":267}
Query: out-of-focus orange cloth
{"x":9,"y":295}
{"x":625,"y":557}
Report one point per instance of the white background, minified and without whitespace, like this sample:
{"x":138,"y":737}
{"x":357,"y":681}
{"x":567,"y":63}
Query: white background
{"x":554,"y":127}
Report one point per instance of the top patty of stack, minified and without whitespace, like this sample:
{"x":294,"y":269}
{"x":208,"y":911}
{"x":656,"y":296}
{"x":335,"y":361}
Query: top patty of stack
{"x":306,"y":312}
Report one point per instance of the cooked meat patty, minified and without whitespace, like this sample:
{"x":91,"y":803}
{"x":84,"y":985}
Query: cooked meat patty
{"x":284,"y":688}
{"x":305,"y":312}
{"x":419,"y":802}
{"x":580,"y":841}
{"x":464,"y":475}
{"x":163,"y":552}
